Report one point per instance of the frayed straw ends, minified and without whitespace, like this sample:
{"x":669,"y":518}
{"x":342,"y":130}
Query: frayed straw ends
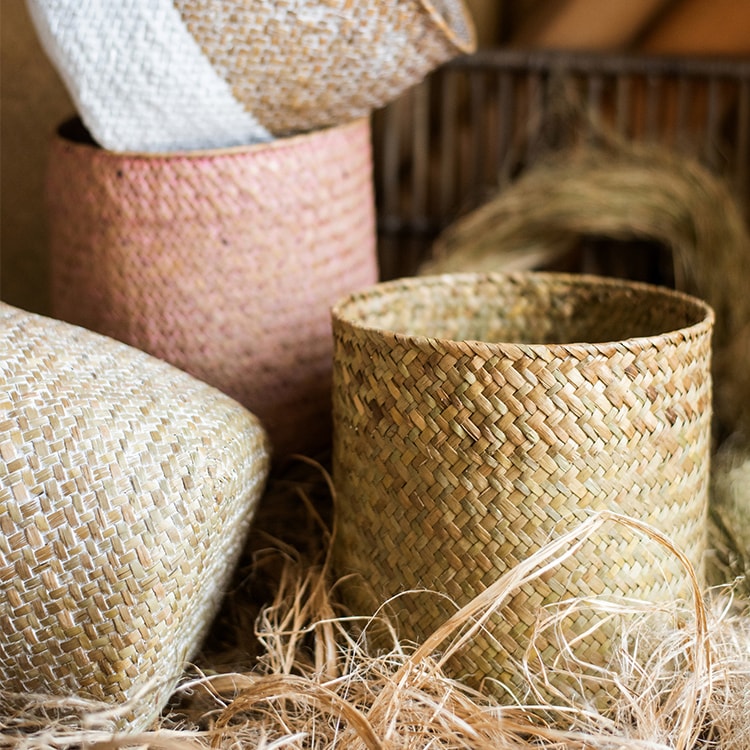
{"x":318,"y":683}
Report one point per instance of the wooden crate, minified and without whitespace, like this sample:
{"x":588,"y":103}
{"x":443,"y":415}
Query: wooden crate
{"x":477,"y":122}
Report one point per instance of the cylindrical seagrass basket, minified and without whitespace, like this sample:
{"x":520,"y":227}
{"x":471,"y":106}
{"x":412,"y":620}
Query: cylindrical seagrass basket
{"x":224,"y":263}
{"x":478,"y":415}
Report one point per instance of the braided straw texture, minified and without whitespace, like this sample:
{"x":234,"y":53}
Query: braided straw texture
{"x":223,"y":263}
{"x":126,"y":491}
{"x":138,"y":78}
{"x":301,"y":64}
{"x":468,"y":431}
{"x":169,"y":75}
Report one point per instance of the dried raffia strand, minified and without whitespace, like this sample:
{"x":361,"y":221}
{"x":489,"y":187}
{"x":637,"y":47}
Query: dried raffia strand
{"x":325,"y":700}
{"x":418,"y":706}
{"x":407,"y":695}
{"x":622,"y":193}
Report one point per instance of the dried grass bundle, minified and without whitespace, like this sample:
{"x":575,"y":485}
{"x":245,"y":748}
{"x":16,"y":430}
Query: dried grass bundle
{"x":318,"y":684}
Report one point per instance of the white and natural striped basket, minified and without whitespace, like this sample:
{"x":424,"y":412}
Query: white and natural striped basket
{"x":165,"y":75}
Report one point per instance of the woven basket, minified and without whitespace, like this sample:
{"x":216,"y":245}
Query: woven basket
{"x":224,"y":263}
{"x":186,"y":74}
{"x":477,"y":416}
{"x":126,"y":491}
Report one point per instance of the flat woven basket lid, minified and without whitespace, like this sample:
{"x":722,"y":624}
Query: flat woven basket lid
{"x":126,"y":491}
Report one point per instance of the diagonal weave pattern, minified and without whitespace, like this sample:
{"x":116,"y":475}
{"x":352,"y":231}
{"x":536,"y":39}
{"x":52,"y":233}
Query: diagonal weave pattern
{"x":223,"y":263}
{"x":178,"y":75}
{"x":456,"y":454}
{"x":302,"y":64}
{"x":126,"y":491}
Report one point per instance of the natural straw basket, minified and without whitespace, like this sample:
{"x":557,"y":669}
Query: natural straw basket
{"x":321,"y":63}
{"x":476,"y":416}
{"x":126,"y":491}
{"x":224,"y":263}
{"x":186,"y":74}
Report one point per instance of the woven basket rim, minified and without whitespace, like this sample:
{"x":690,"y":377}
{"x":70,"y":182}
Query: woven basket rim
{"x":280,"y":143}
{"x":704,"y":313}
{"x":467,"y":45}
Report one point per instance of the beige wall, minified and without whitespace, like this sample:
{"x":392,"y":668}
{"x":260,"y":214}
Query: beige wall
{"x":32,"y":101}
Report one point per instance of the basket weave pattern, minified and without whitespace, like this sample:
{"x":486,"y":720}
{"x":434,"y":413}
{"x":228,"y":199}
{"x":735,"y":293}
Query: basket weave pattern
{"x":126,"y":491}
{"x":223,"y":263}
{"x":457,"y":455}
{"x":300,"y":65}
{"x":174,"y":75}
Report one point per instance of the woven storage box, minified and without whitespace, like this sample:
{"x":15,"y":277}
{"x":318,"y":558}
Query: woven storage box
{"x":476,"y":416}
{"x":224,"y":263}
{"x":126,"y":490}
{"x":163,"y":75}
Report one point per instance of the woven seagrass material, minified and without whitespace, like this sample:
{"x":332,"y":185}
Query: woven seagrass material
{"x":170,"y":75}
{"x":126,"y":491}
{"x":476,"y":416}
{"x":139,"y":80}
{"x":303,"y":64}
{"x":224,"y":263}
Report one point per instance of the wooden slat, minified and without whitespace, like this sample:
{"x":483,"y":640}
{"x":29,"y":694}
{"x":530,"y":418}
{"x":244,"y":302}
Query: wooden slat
{"x":420,"y":181}
{"x":448,"y":141}
{"x":623,"y":99}
{"x":742,"y":162}
{"x":390,"y":180}
{"x":506,"y":117}
{"x":477,"y":133}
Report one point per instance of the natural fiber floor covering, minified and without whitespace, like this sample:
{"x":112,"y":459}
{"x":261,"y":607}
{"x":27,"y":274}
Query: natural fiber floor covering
{"x":285,"y":666}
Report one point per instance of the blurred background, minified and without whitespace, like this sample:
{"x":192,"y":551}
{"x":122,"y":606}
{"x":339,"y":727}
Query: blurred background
{"x":33,"y":100}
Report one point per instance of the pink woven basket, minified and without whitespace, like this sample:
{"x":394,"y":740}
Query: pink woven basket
{"x":224,"y":263}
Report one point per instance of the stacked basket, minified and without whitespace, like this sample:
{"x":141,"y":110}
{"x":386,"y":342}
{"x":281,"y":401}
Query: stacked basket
{"x":224,"y":263}
{"x":212,"y":202}
{"x":224,"y":200}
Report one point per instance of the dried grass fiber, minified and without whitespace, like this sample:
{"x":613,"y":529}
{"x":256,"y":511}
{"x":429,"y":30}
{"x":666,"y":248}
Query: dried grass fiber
{"x":318,"y":685}
{"x":623,"y":193}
